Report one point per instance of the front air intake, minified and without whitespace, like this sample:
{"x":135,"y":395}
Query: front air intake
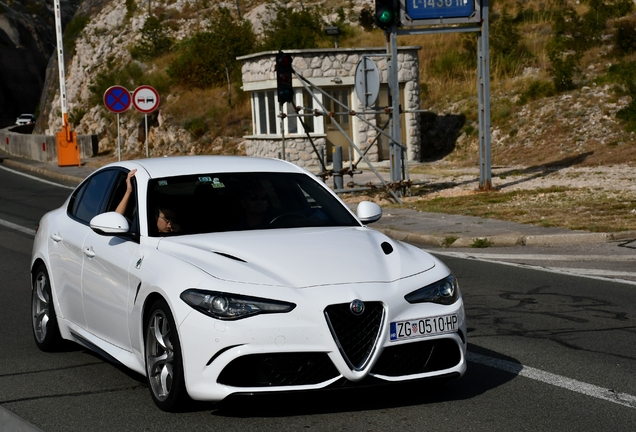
{"x":355,"y":334}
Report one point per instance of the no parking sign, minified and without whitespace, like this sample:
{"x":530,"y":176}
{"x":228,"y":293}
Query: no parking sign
{"x":117,"y":99}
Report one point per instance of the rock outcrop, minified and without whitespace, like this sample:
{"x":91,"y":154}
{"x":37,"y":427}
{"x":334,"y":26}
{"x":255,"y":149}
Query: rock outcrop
{"x":27,"y":40}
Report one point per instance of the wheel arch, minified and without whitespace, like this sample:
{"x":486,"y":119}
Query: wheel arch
{"x":149,"y":300}
{"x":37,"y":263}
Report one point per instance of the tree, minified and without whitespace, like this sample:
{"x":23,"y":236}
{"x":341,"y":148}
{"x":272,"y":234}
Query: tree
{"x":292,"y":29}
{"x":154,"y":40}
{"x":209,"y":58}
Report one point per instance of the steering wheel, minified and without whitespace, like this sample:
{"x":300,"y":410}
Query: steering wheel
{"x":288,"y":215}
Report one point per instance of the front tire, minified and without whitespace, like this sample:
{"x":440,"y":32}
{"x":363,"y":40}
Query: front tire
{"x":164,"y":365}
{"x":45,"y":329}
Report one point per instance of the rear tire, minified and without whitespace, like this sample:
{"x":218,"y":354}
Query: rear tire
{"x":164,"y":365}
{"x":44,"y":321}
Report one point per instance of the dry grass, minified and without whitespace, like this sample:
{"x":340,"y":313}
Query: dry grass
{"x":576,"y":209}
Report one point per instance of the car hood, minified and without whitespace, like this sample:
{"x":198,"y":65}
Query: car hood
{"x":300,"y":257}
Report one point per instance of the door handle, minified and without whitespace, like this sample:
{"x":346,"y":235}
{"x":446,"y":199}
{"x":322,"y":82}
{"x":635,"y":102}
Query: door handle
{"x":89,"y":252}
{"x":56,"y":238}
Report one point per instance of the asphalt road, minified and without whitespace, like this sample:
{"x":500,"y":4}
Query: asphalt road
{"x":547,"y":351}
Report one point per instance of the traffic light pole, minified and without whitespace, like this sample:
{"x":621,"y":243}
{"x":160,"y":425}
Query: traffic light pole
{"x":395,"y":149}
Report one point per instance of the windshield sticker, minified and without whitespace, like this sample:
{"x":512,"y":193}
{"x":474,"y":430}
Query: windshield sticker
{"x":205,"y":179}
{"x":216,"y":183}
{"x":162,"y":182}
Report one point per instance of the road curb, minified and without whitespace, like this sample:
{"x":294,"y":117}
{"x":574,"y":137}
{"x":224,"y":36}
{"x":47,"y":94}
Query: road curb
{"x":42,"y":171}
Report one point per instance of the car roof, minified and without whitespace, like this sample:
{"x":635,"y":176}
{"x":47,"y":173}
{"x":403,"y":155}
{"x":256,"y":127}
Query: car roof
{"x":184,"y":165}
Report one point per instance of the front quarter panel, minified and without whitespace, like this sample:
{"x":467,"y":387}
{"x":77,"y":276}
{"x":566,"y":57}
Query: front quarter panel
{"x":155,"y":274}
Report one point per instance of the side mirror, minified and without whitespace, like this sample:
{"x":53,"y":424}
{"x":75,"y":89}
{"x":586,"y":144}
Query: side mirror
{"x":110,"y":223}
{"x":368,"y":212}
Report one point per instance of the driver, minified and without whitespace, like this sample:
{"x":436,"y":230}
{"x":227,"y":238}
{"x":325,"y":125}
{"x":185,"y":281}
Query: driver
{"x":255,"y":205}
{"x":166,"y":217}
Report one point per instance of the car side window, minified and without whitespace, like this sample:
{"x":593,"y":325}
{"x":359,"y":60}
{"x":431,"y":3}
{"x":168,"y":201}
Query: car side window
{"x":118,"y":191}
{"x":87,"y":202}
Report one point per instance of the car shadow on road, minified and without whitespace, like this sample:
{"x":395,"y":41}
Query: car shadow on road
{"x":478,"y":380}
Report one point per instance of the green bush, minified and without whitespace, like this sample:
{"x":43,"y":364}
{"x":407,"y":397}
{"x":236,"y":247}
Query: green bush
{"x":154,"y":40}
{"x":623,"y":73}
{"x":131,"y":8}
{"x":196,"y":127}
{"x":501,"y":109}
{"x":130,"y":77}
{"x":292,"y":29}
{"x":564,"y":49}
{"x":367,"y":19}
{"x":624,"y":38}
{"x":72,"y":31}
{"x":209,"y":58}
{"x":536,"y":90}
{"x":75,"y":115}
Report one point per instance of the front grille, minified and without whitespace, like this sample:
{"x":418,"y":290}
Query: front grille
{"x":280,"y":369}
{"x":356,"y":335}
{"x":418,"y":357}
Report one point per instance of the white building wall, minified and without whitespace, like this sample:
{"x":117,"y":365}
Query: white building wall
{"x":332,"y":68}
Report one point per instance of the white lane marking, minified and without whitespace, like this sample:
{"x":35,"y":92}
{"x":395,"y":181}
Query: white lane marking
{"x":609,"y":395}
{"x":563,"y":271}
{"x":595,"y":272}
{"x":36,"y":178}
{"x":543,"y":257}
{"x":17,"y":227}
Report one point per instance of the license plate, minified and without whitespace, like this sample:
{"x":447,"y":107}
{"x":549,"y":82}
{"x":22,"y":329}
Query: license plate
{"x":423,"y":327}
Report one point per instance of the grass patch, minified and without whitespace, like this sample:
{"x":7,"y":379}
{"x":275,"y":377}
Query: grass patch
{"x":571,"y":208}
{"x":481,"y":243}
{"x":448,"y":241}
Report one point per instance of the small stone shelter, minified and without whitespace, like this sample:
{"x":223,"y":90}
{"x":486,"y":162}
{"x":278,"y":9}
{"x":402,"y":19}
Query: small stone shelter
{"x":332,"y":71}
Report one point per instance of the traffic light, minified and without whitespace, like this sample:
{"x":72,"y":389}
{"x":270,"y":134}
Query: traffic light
{"x":386,"y":13}
{"x":284,"y":74}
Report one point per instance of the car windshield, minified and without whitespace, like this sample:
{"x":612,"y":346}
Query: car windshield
{"x":207,"y":203}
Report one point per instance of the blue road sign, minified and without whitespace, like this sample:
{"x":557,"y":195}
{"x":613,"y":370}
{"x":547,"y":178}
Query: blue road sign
{"x":439,"y":9}
{"x":117,"y":99}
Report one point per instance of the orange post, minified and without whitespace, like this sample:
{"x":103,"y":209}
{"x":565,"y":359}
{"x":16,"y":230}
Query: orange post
{"x":68,"y":152}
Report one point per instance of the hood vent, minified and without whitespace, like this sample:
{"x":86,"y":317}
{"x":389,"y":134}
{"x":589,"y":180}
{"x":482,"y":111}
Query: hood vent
{"x":387,"y":248}
{"x":230,"y":256}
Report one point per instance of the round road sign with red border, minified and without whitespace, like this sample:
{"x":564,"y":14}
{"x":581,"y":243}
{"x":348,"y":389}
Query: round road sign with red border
{"x":117,"y":99}
{"x":145,"y":99}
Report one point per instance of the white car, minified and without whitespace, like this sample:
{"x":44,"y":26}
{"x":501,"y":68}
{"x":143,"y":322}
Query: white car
{"x":229,"y":275}
{"x":25,"y":119}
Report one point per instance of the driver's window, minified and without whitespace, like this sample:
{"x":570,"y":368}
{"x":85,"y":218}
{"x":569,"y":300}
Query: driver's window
{"x":117,"y":193}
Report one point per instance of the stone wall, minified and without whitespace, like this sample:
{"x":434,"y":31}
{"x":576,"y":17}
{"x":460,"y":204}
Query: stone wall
{"x":329,"y":68}
{"x":297,"y":150}
{"x":42,"y":147}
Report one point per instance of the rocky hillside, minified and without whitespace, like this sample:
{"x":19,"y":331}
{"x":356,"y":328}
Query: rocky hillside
{"x":104,"y":43}
{"x":573,"y":127}
{"x":27,"y":41}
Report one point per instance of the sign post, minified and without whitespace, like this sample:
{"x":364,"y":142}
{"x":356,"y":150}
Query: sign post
{"x":459,"y":16}
{"x":117,"y":100}
{"x":145,"y":100}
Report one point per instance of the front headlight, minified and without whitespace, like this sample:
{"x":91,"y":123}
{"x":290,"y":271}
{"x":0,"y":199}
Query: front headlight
{"x":445,"y":291}
{"x":226,"y":306}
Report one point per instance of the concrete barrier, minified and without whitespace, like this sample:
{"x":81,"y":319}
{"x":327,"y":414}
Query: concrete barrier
{"x":42,"y":147}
